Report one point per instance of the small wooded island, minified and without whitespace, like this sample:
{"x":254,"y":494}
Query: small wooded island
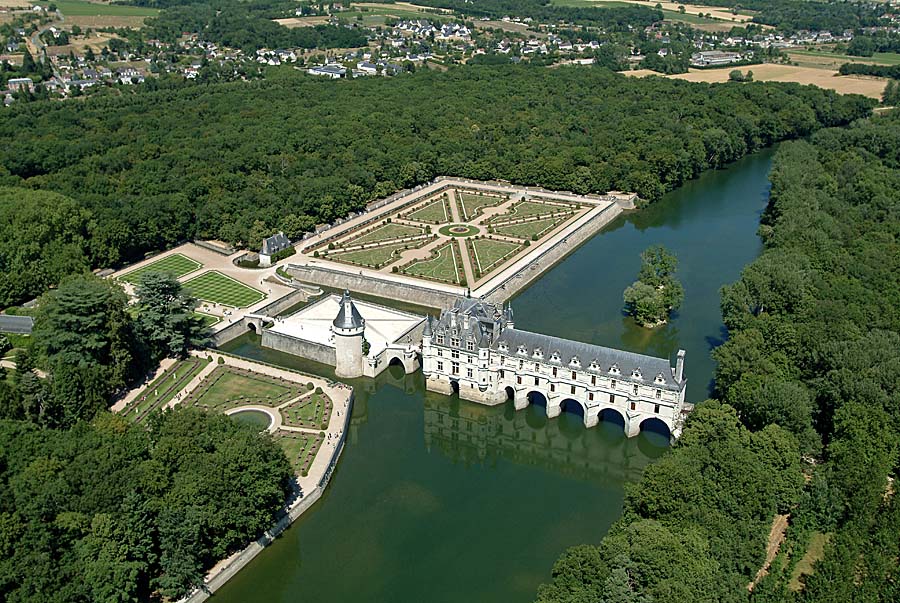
{"x":652,"y":298}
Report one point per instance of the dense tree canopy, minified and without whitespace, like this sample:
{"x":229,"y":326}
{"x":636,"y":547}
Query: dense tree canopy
{"x":112,"y":512}
{"x":656,"y":293}
{"x":150,"y":170}
{"x":813,"y":356}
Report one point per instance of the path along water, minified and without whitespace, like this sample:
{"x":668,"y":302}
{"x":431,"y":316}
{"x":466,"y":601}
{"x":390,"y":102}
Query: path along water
{"x":443,"y":501}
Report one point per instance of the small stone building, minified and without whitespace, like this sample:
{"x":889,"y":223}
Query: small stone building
{"x":271,"y":246}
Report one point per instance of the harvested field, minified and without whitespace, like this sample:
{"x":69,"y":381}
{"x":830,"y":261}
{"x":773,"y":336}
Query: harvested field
{"x":294,"y":22}
{"x":98,"y":21}
{"x":72,"y":8}
{"x":823,"y":78}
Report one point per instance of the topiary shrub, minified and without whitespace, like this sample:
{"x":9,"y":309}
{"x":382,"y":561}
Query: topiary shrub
{"x":318,"y":390}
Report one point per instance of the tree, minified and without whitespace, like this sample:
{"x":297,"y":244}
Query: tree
{"x":165,"y":317}
{"x":84,"y":333}
{"x":656,"y":293}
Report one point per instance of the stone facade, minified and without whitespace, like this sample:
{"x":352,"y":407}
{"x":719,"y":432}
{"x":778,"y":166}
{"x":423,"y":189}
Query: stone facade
{"x":474,"y":348}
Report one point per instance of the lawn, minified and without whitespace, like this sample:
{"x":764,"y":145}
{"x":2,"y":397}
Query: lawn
{"x":489,"y":253}
{"x":434,"y":212}
{"x":208,"y":319}
{"x":228,"y":387}
{"x":444,"y":265}
{"x":300,"y":448}
{"x":386,"y":233}
{"x":472,"y":204}
{"x":525,"y":209}
{"x":531,"y":230}
{"x":312,"y":412}
{"x":176,"y":264}
{"x":374,"y":256}
{"x":161,"y":391}
{"x":219,"y":288}
{"x":73,"y":8}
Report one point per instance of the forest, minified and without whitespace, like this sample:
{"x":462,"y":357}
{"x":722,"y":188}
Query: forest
{"x":237,"y":161}
{"x":806,"y":420}
{"x":612,"y":18}
{"x":94,"y":508}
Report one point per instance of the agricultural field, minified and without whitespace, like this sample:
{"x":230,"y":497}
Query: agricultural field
{"x":823,"y":78}
{"x":300,"y":448}
{"x":161,"y":391}
{"x":825,"y":59}
{"x":386,"y":233}
{"x":445,"y":265}
{"x":490,"y":253}
{"x":82,"y":8}
{"x":219,"y":288}
{"x":176,"y":264}
{"x":532,"y":230}
{"x":434,"y":212}
{"x":311,"y":412}
{"x":228,"y":387}
{"x":373,"y":256}
{"x":471,"y":205}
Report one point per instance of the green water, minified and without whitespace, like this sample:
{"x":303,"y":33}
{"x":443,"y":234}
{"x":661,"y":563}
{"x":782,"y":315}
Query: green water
{"x":440,"y":500}
{"x":255,"y":418}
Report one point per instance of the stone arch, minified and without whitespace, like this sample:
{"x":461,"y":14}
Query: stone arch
{"x":536,"y":398}
{"x":612,"y":416}
{"x":454,"y":386}
{"x":536,"y":417}
{"x":510,"y":393}
{"x":251,"y":326}
{"x":573,"y":406}
{"x":394,"y":358}
{"x":656,"y":425}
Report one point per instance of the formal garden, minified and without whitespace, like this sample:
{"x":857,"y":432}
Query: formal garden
{"x":300,"y":448}
{"x":462,"y":234}
{"x":176,"y":264}
{"x":310,"y":412}
{"x":162,"y":389}
{"x":218,"y":288}
{"x":228,"y":387}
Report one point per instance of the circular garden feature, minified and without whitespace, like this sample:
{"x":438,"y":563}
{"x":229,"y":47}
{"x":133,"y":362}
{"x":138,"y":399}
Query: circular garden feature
{"x":458,"y":230}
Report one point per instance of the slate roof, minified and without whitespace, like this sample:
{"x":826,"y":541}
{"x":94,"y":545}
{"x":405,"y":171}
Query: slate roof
{"x":20,"y":325}
{"x":348,"y":316}
{"x":274,"y":244}
{"x":605,"y":358}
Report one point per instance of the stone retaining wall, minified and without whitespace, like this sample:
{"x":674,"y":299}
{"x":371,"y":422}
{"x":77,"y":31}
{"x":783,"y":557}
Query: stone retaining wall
{"x":298,"y":347}
{"x":372,"y":285}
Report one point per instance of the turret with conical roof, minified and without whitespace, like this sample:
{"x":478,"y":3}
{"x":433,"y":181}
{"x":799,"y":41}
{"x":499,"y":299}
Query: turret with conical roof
{"x":348,"y":327}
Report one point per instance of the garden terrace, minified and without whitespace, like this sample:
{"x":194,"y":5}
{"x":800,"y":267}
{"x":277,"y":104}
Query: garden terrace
{"x":219,"y":288}
{"x":229,"y":387}
{"x":175,"y":264}
{"x":310,"y":412}
{"x":161,"y":391}
{"x":444,"y":265}
{"x":300,"y":448}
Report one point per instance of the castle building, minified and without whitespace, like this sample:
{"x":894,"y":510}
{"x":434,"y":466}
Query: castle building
{"x":475,"y":349}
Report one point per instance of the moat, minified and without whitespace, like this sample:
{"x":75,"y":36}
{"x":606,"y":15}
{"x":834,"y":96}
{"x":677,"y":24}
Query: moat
{"x":437,"y":499}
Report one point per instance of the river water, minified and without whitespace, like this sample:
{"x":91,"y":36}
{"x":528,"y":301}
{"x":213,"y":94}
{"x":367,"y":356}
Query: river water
{"x":440,"y":500}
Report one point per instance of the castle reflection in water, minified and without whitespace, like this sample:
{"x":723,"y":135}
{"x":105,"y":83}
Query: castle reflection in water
{"x":474,"y":434}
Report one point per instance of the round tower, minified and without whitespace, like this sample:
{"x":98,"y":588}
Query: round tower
{"x":348,"y":328}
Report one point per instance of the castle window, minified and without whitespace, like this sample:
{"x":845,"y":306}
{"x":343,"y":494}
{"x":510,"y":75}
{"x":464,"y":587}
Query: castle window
{"x":440,"y":365}
{"x":633,"y":406}
{"x":470,"y":345}
{"x":656,"y":408}
{"x":455,"y":368}
{"x":612,"y":384}
{"x":502,"y":373}
{"x":439,"y":339}
{"x":454,"y":354}
{"x":521,"y":364}
{"x":554,"y":371}
{"x":454,"y":342}
{"x":573,"y":389}
{"x":537,"y":367}
{"x":593,"y":380}
{"x":552,"y":387}
{"x":440,"y":353}
{"x":635,"y":390}
{"x":658,"y":394}
{"x":591,"y":396}
{"x":574,"y":376}
{"x":518,"y":380}
{"x":469,"y":373}
{"x":612,"y":398}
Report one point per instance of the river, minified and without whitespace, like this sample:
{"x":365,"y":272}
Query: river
{"x":440,"y":500}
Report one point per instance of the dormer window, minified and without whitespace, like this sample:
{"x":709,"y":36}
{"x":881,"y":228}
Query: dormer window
{"x":614,"y":369}
{"x":439,"y":339}
{"x":538,"y":353}
{"x":575,"y":362}
{"x":470,"y":345}
{"x":555,"y":356}
{"x":522,"y":349}
{"x":503,"y":347}
{"x":660,"y":378}
{"x":636,"y":373}
{"x":594,"y":366}
{"x":454,"y":341}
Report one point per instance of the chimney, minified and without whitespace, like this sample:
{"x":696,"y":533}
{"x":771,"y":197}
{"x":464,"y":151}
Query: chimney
{"x":679,"y":367}
{"x":453,"y":319}
{"x":466,"y":322}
